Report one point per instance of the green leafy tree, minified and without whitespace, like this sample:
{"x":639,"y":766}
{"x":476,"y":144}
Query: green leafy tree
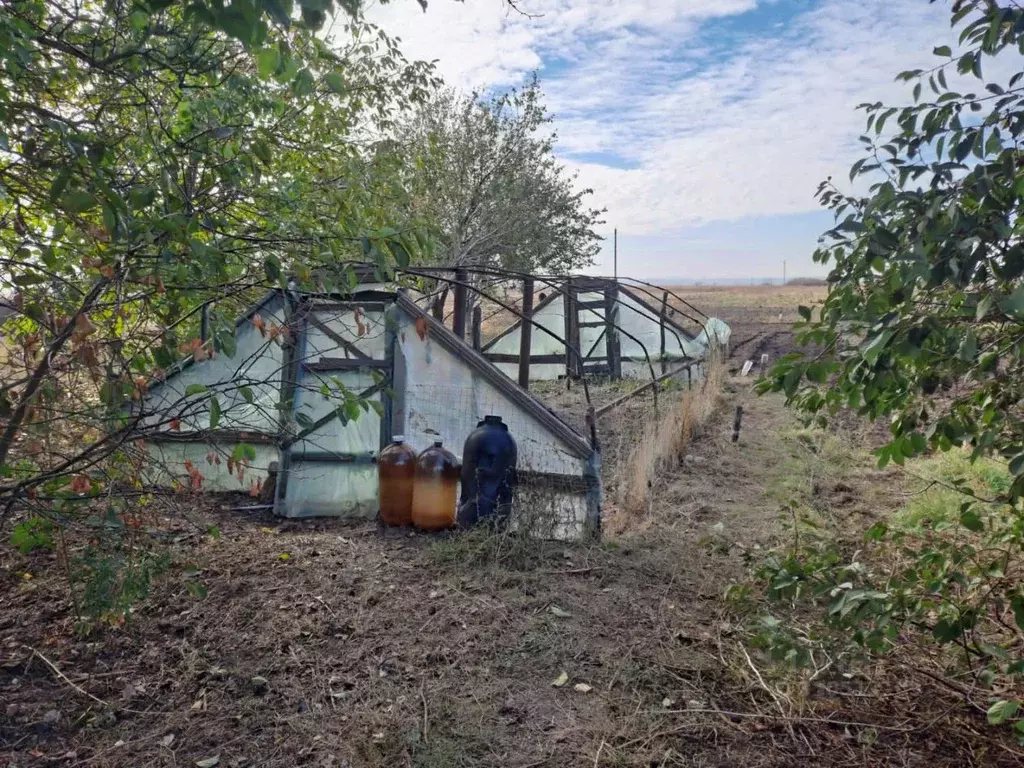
{"x":157,"y":155}
{"x":923,"y":326}
{"x":483,"y":173}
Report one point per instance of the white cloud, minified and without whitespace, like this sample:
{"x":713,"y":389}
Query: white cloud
{"x":710,"y":128}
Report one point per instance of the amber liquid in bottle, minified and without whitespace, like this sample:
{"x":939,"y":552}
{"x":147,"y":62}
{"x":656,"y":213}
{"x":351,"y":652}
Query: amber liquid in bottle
{"x":435,"y":489}
{"x":396,"y":473}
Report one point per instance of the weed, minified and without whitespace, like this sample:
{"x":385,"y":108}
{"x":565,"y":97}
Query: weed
{"x":664,"y":441}
{"x":32,"y":534}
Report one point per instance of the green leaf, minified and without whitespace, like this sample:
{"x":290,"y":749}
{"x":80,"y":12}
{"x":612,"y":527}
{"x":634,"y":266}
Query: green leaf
{"x":946,"y":631}
{"x":58,"y":185}
{"x":142,"y":196}
{"x":78,"y":201}
{"x":1017,"y":603}
{"x":817,"y":373}
{"x":876,"y":346}
{"x":267,"y":62}
{"x":214,"y":412}
{"x":968,"y":347}
{"x":243,"y":451}
{"x":272,"y":268}
{"x":876,"y":532}
{"x":35,"y":533}
{"x":972,"y":521}
{"x":1002,"y":711}
{"x":984,"y":306}
{"x":213,"y":531}
{"x":1017,"y":464}
{"x":805,"y":312}
{"x":335,"y":82}
{"x":791,"y":381}
{"x":262,"y":151}
{"x":109,"y":220}
{"x":28,"y":278}
{"x":227,"y":343}
{"x":194,"y":389}
{"x":1014,"y":303}
{"x":163,"y":357}
{"x":942,"y":50}
{"x":246,"y":394}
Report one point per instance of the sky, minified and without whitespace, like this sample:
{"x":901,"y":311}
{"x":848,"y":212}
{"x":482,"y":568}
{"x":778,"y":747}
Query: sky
{"x":703,"y":126}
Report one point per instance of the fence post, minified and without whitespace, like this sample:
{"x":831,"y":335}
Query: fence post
{"x":526,"y":334}
{"x":664,"y":318}
{"x":477,"y":321}
{"x":459,"y":317}
{"x":611,"y":342}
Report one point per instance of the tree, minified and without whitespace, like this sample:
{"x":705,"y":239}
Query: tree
{"x":923,"y":326}
{"x":156,"y":156}
{"x":484,"y":173}
{"x":928,"y":269}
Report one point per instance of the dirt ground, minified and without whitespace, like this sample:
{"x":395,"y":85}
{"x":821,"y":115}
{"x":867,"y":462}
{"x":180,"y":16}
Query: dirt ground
{"x":330,"y":644}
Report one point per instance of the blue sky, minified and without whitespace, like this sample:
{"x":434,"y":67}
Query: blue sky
{"x":703,"y":126}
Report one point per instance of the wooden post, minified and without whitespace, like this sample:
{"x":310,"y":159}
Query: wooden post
{"x":477,"y":320}
{"x":437,"y":308}
{"x":611,"y":338}
{"x":737,"y":420}
{"x":204,"y":323}
{"x":569,"y":304}
{"x":664,"y":318}
{"x":526,"y":334}
{"x":459,"y":317}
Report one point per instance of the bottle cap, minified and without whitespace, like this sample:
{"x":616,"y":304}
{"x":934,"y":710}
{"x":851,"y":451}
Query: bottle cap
{"x":398,"y":438}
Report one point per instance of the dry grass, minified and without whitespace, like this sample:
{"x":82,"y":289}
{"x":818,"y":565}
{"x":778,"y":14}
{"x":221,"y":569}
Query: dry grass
{"x":663,"y":443}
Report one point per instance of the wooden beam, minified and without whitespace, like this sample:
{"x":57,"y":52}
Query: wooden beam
{"x":641,"y":389}
{"x":459,"y":316}
{"x":502,"y":357}
{"x":477,"y":322}
{"x":526,"y":334}
{"x":330,"y":457}
{"x":330,"y":364}
{"x":348,"y":306}
{"x":215,"y":436}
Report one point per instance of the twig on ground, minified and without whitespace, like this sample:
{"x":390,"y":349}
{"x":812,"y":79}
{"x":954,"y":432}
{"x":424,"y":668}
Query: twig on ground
{"x":423,"y":698}
{"x":62,"y":676}
{"x":776,"y":697}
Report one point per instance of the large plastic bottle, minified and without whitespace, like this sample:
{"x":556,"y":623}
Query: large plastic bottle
{"x":488,"y":473}
{"x":434,"y":491}
{"x":396,"y":472}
